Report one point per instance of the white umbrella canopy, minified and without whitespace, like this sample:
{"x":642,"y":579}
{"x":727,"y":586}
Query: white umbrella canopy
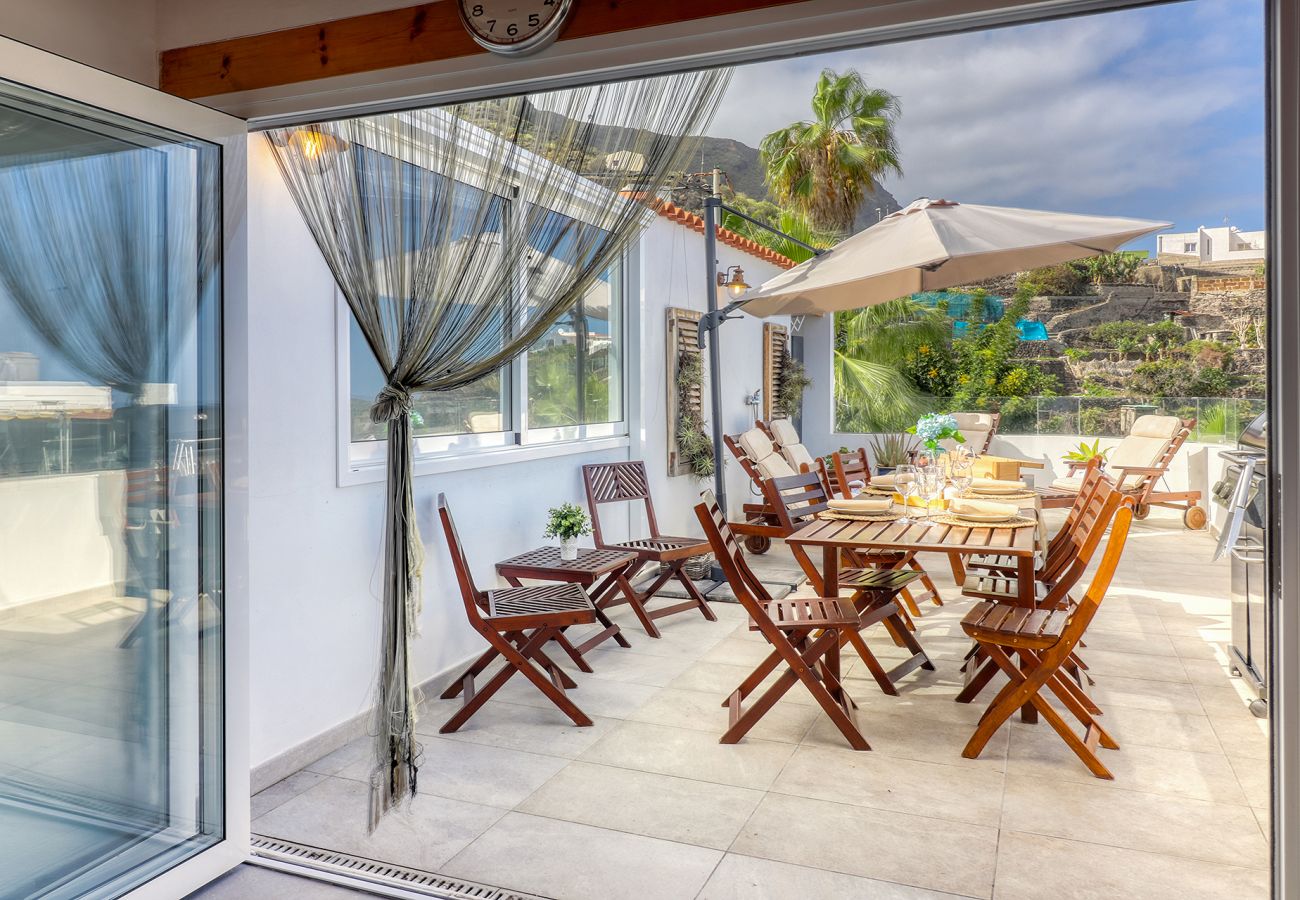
{"x":933,"y":244}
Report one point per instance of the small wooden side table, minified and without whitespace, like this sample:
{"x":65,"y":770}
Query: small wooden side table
{"x":1004,"y":468}
{"x":596,"y":570}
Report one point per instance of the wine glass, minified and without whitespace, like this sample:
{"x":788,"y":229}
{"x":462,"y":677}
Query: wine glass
{"x":905,"y":483}
{"x":930,"y":482}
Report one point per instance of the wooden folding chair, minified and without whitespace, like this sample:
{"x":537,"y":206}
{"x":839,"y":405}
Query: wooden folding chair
{"x":845,"y":468}
{"x":516,"y":623}
{"x":1044,"y":640}
{"x":624,"y":482}
{"x":876,"y":579}
{"x":1006,"y":565}
{"x":759,"y":524}
{"x":805,"y":635}
{"x":1061,"y":572}
{"x":797,"y":499}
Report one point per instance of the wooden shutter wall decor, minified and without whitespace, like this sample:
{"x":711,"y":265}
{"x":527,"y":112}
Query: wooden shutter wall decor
{"x":683,"y":336}
{"x":776,"y":340}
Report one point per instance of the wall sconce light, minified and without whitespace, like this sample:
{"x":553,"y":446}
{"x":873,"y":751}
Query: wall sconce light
{"x":734,"y":281}
{"x":313,"y":143}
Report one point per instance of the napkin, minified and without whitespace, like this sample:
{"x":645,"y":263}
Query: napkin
{"x":960,"y":507}
{"x":861,"y":505}
{"x":993,"y":485}
{"x":890,"y":480}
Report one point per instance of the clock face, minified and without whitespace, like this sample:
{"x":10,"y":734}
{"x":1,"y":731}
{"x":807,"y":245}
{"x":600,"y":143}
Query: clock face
{"x":514,"y":26}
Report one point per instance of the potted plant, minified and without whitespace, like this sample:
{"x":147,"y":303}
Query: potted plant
{"x":1085,"y":453}
{"x":568,"y":522}
{"x":932,"y":428}
{"x":889,"y":451}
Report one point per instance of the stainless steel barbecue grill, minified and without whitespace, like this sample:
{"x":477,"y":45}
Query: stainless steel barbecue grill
{"x":1244,"y":492}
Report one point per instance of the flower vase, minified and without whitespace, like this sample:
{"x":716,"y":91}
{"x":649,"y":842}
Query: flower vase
{"x":568,"y":549}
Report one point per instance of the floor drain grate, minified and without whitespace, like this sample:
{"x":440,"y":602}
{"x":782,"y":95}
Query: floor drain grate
{"x":380,"y":874}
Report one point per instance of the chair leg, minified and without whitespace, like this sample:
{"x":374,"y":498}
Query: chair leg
{"x":915,"y":565}
{"x":637,"y":601}
{"x":517,"y":660}
{"x":695,"y":594}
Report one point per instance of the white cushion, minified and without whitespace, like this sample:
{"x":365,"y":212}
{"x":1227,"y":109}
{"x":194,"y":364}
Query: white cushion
{"x":1137,"y":451}
{"x":1156,"y":426}
{"x":756,"y":444}
{"x":797,"y":455}
{"x":1073,"y":484}
{"x":774,"y":467}
{"x":784,"y":432}
{"x":974,"y":421}
{"x":975,"y":438}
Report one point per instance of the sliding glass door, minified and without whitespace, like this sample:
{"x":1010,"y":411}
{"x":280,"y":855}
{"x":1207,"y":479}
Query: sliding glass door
{"x":113,"y":596}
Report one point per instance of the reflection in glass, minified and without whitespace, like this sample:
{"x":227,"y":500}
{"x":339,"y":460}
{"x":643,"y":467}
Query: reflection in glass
{"x":110,"y":487}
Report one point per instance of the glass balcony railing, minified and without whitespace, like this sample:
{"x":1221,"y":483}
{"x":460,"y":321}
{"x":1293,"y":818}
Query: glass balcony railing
{"x":1218,"y":419}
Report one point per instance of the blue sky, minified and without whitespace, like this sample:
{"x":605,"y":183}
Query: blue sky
{"x":1155,"y":113}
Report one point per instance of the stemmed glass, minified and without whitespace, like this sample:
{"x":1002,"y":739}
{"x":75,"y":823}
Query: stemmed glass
{"x":905,"y":482}
{"x":930,"y":481}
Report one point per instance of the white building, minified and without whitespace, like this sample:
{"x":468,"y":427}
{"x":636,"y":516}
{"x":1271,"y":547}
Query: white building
{"x":1224,"y":244}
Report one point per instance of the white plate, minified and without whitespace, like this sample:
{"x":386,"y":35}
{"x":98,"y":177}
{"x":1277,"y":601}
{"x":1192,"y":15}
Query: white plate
{"x":983,"y":518}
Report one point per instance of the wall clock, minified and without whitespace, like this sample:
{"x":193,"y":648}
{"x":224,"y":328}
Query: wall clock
{"x":514,"y":27}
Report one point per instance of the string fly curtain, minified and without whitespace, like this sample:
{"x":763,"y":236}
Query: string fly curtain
{"x":458,"y":235}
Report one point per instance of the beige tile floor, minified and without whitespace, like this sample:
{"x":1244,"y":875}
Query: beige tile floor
{"x":647,"y":804}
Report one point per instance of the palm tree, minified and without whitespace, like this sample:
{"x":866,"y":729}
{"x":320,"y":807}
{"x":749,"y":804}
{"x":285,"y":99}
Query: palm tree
{"x":825,"y":167}
{"x":789,"y":222}
{"x":872,"y":392}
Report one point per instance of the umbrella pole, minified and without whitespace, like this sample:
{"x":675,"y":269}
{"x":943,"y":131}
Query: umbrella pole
{"x":712,"y":203}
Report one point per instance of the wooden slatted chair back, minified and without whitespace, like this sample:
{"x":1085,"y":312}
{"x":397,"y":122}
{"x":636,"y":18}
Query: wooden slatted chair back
{"x":475,"y":600}
{"x":797,"y":499}
{"x":847,"y":467}
{"x":744,"y":583}
{"x":1060,"y":542}
{"x":1094,"y":519}
{"x":1083,"y":612}
{"x":620,"y":482}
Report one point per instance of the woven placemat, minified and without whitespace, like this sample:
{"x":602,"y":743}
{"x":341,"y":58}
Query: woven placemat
{"x":882,"y":491}
{"x":1013,"y":522}
{"x":1018,"y":495}
{"x":860,"y":517}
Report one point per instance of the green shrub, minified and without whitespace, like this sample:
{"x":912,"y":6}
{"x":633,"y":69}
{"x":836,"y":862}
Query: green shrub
{"x":1180,"y":378}
{"x":1075,"y":353}
{"x":1052,"y":281}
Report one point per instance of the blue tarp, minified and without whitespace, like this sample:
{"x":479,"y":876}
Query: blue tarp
{"x":959,"y":309}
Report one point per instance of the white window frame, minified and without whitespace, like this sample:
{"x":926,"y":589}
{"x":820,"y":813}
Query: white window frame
{"x":364,"y":462}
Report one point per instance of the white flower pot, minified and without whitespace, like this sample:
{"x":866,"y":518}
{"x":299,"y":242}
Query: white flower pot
{"x":569,"y":548}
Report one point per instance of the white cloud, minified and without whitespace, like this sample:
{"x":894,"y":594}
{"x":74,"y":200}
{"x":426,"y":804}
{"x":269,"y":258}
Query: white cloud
{"x":1079,"y":113}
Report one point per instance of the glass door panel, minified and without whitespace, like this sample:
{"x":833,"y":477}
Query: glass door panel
{"x":111,"y":587}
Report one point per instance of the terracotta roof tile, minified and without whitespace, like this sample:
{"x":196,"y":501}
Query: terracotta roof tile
{"x":688,"y":219}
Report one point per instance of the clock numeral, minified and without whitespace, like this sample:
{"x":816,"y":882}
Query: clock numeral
{"x":534,"y":20}
{"x":512,"y":29}
{"x":477,"y":10}
{"x":492,"y":24}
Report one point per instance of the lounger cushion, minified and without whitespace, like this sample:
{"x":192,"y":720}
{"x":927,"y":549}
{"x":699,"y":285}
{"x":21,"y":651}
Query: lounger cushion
{"x":1073,"y":484}
{"x":797,"y":455}
{"x":1156,"y":426}
{"x":756,"y":444}
{"x":784,"y":432}
{"x":974,"y":427}
{"x":774,"y":467}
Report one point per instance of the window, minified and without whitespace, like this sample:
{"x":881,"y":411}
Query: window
{"x":575,"y":370}
{"x":570,"y":381}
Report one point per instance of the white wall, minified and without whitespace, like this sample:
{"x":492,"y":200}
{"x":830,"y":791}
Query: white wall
{"x":673,"y":274}
{"x":315,"y":546}
{"x":118,"y":36}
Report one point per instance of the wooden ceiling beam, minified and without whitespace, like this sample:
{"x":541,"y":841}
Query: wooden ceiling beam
{"x":429,"y":32}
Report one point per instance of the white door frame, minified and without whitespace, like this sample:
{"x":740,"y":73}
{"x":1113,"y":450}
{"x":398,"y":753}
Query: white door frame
{"x":44,"y":71}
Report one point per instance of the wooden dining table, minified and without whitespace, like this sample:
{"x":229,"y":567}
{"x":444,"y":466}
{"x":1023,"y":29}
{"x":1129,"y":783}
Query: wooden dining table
{"x":835,"y":536}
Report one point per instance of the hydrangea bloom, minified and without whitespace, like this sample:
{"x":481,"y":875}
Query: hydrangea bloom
{"x":934,"y":427}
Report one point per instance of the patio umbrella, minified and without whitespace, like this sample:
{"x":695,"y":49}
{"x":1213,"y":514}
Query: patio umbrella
{"x":933,"y":244}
